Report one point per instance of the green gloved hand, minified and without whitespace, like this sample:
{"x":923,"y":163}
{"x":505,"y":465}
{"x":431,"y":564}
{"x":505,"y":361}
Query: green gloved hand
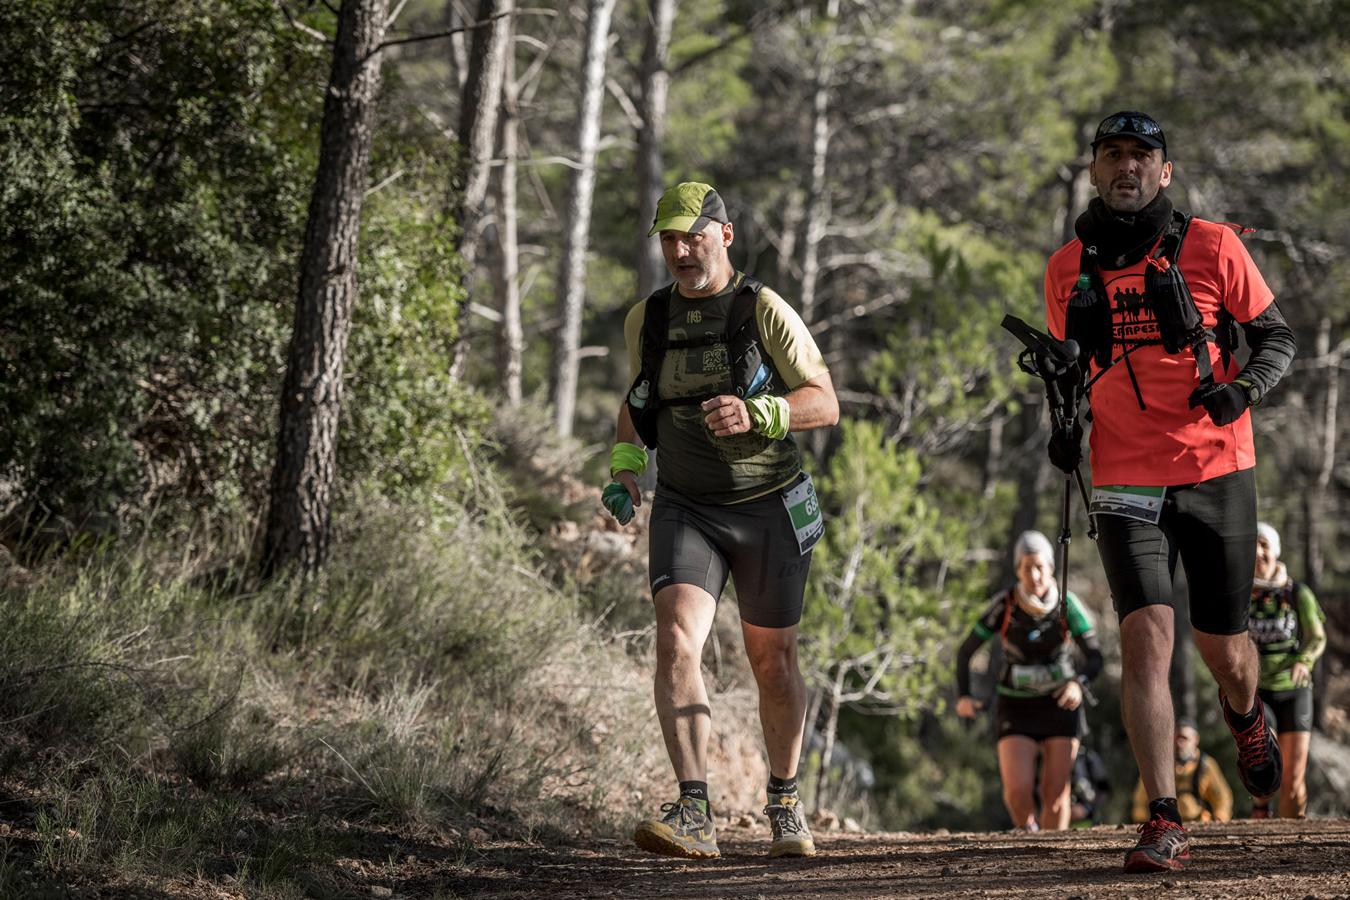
{"x":769,"y":415}
{"x":618,"y":501}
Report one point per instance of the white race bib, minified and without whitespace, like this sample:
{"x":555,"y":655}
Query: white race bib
{"x":1142,"y":503}
{"x":804,"y":510}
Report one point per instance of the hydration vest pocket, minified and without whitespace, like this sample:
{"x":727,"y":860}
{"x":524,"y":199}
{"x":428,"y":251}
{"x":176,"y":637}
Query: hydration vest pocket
{"x":1038,"y":678}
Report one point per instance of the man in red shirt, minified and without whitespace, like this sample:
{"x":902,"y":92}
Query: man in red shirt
{"x":1154,"y":299}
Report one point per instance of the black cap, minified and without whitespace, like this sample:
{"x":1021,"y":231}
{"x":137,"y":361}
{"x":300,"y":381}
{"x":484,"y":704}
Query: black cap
{"x":1131,"y":123}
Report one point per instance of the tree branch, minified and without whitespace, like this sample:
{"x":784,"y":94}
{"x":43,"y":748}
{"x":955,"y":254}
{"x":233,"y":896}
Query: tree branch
{"x":417,"y":38}
{"x":301,"y":26}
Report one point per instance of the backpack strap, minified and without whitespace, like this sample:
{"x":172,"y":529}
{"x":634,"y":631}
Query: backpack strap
{"x":1007,"y":613}
{"x":1179,"y":321}
{"x":751,"y":370}
{"x":643,"y":398}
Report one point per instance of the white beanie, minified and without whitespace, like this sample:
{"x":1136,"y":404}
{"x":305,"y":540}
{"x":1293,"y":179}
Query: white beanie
{"x":1267,"y":531}
{"x":1035,"y":542}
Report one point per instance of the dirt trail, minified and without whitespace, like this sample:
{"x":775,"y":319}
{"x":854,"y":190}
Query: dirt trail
{"x":1234,"y":860}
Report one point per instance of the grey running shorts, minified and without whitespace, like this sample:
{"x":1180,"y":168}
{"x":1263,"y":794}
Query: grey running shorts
{"x":754,"y":542}
{"x":1290,"y":710}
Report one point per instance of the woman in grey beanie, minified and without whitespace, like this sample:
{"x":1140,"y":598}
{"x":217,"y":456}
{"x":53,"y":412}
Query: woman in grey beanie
{"x":1040,"y":689}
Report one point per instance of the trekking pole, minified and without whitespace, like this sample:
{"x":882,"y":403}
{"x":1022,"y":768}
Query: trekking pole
{"x":1065,"y":535}
{"x":1056,"y":363}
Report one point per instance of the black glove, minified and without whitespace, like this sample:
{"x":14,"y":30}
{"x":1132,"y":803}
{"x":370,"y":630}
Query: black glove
{"x":1066,"y":450}
{"x":1225,"y":403}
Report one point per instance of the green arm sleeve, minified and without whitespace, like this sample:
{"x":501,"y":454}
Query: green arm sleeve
{"x":1310,"y":618}
{"x":1080,"y":620}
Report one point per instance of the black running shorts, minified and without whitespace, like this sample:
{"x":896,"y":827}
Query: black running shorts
{"x":1293,"y":710}
{"x":1212,"y":527}
{"x":754,"y":542}
{"x":1037,"y":718}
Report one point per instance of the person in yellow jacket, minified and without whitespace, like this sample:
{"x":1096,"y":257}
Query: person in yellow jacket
{"x":1203,"y":794}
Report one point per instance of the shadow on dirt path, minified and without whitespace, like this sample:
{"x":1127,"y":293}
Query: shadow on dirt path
{"x":1234,"y":860}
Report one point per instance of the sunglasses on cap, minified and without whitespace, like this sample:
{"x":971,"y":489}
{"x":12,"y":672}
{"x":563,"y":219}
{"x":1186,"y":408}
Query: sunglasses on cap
{"x":1135,"y":125}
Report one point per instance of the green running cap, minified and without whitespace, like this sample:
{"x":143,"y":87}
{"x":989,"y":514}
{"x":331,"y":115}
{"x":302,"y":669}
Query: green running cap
{"x":688,"y":207}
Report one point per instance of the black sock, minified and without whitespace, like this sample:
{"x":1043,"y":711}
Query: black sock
{"x":1243,"y":721}
{"x":697,"y":790}
{"x":782,"y":785}
{"x":1165,"y":807}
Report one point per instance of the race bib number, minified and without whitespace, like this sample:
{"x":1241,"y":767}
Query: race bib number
{"x":1142,"y":503}
{"x":804,"y":510}
{"x":1037,"y":678}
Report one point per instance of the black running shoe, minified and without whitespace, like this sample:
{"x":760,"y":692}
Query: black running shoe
{"x":1259,"y":761}
{"x":1163,"y":847}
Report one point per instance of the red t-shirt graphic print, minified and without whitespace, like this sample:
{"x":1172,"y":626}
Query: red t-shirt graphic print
{"x":1168,"y":443}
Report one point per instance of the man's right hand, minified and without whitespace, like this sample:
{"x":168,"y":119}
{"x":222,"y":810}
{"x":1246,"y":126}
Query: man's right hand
{"x":1066,"y":450}
{"x":966,"y":707}
{"x":621,"y":496}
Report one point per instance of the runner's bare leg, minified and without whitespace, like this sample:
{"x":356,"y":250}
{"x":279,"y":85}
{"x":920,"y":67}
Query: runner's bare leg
{"x":1017,"y":769}
{"x":1146,"y":697}
{"x":1294,"y":788}
{"x":684,"y":618}
{"x":1057,"y":756}
{"x":1232,"y":659}
{"x":782,"y":693}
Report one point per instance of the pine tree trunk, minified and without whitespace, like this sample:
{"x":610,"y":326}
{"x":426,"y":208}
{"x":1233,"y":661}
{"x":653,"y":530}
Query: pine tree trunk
{"x":817,"y":203}
{"x":510,"y":333}
{"x":481,"y":99}
{"x":1314,"y":508}
{"x":651,"y":267}
{"x":311,"y":396}
{"x":823,"y":785}
{"x":572,"y":274}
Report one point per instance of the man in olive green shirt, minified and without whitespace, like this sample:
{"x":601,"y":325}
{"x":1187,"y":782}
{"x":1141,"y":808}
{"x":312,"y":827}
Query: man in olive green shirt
{"x":724,"y":372}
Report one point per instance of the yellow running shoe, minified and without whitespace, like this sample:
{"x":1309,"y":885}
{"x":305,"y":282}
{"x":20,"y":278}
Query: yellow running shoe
{"x":684,"y":830}
{"x":791,"y":837}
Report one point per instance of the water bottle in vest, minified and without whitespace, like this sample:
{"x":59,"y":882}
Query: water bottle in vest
{"x":638,"y":398}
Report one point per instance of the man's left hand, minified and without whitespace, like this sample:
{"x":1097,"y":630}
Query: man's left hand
{"x":1300,"y":675}
{"x":726,"y":415}
{"x":1070,"y":696}
{"x":1225,"y":403}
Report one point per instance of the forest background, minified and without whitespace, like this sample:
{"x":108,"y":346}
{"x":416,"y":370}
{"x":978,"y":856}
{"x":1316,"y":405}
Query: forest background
{"x":469,"y":650}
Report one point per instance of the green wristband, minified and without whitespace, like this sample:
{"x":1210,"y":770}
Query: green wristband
{"x":627,"y":457}
{"x":769,"y":415}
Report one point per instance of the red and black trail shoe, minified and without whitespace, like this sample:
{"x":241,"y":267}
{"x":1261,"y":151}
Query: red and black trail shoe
{"x":1163,"y":847}
{"x":1259,"y":762}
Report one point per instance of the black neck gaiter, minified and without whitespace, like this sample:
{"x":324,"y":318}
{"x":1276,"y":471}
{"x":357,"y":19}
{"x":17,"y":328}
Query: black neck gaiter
{"x":1122,"y":239}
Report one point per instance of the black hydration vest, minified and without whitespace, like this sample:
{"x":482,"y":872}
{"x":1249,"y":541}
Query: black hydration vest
{"x":751,"y":369}
{"x":1180,"y":325}
{"x":1272,"y":636}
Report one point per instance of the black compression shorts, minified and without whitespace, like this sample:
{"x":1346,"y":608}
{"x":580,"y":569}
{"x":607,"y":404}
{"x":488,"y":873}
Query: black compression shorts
{"x":1212,"y":527}
{"x":754,"y":542}
{"x":1037,"y":718}
{"x":1292,"y":710}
